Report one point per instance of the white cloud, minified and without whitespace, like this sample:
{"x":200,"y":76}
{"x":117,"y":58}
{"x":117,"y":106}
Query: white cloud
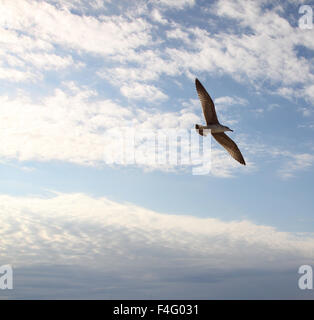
{"x":178,"y":33}
{"x":108,"y":35}
{"x":17,"y":43}
{"x":138,"y":57}
{"x":150,"y":65}
{"x":297,"y":162}
{"x":61,"y":127}
{"x":228,"y":101}
{"x":265,"y":55}
{"x":290,"y":162}
{"x":14,"y":75}
{"x":175,"y":4}
{"x":76,"y":126}
{"x":30,"y":32}
{"x":46,"y":61}
{"x":131,"y":242}
{"x":306,"y":112}
{"x":28,"y":56}
{"x":156,"y":16}
{"x":142,"y":91}
{"x":309,"y":93}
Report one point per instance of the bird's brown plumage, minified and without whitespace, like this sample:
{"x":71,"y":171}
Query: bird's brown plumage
{"x":207,"y":104}
{"x":229,"y":145}
{"x":211,"y":118}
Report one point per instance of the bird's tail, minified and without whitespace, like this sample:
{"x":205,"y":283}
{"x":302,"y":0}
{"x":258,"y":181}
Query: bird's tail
{"x":200,"y":129}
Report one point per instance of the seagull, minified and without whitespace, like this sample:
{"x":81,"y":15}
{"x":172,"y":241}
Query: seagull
{"x":212,"y":123}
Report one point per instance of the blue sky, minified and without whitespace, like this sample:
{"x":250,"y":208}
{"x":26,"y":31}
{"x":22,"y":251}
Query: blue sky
{"x":73,"y":71}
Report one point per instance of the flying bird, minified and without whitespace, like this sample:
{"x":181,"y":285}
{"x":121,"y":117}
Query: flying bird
{"x":212,"y":123}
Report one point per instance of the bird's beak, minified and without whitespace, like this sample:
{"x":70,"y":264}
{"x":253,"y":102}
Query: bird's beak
{"x":231,"y":130}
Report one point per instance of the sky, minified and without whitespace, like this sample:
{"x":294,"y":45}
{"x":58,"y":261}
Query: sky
{"x":79,"y":78}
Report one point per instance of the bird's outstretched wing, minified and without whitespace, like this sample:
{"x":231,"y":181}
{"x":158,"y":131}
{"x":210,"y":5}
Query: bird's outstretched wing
{"x":229,"y":145}
{"x":207,"y":104}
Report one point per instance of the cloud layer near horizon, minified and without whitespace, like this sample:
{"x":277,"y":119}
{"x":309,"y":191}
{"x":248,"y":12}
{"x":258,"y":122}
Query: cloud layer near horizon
{"x":130,"y":242}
